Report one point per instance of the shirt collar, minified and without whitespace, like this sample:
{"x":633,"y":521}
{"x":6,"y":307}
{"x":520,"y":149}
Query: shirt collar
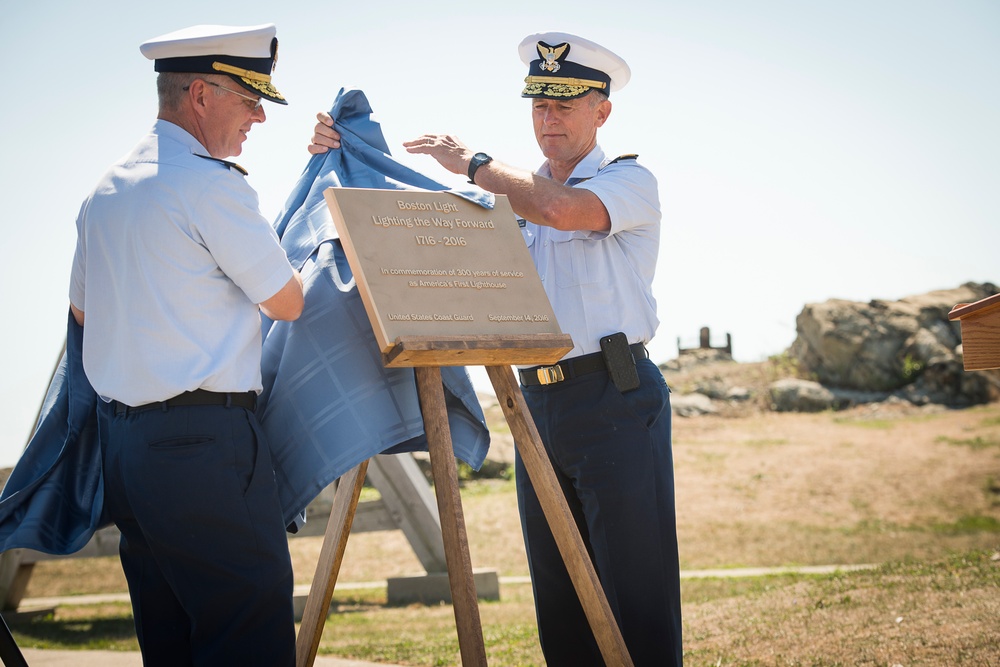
{"x":585,"y":168}
{"x":164,"y":128}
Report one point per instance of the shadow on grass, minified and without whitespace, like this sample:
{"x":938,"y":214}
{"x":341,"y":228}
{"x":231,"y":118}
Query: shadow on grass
{"x":56,"y":630}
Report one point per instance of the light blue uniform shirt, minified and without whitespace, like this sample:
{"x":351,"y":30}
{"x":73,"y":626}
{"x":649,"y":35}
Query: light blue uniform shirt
{"x":600,"y":283}
{"x":172,"y":258}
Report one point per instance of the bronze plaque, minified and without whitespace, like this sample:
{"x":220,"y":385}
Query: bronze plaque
{"x":435,"y":264}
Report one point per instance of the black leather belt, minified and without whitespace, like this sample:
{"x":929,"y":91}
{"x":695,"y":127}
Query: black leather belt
{"x":245,"y":399}
{"x":567,"y":369}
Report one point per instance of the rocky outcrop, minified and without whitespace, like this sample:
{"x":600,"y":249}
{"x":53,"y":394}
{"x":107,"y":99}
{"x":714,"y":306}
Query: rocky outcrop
{"x":889,"y":354}
{"x":907,"y":348}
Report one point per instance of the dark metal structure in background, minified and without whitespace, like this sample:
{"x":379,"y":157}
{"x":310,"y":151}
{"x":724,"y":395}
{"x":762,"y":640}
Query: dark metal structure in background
{"x":704,"y":343}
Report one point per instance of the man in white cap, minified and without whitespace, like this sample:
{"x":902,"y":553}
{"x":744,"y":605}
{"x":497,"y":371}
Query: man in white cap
{"x":174,"y":264}
{"x":592,"y":226}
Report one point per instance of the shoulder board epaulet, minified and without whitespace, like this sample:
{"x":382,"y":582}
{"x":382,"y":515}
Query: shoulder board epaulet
{"x":627,"y":156}
{"x":231,"y":165}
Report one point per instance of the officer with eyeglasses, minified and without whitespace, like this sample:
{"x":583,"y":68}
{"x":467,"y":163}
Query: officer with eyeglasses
{"x":173,"y":266}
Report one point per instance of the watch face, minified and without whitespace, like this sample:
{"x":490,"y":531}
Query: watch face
{"x":478,"y":160}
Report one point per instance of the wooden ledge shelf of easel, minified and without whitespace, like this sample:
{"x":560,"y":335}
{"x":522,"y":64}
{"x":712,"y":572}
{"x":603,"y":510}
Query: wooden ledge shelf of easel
{"x":980,"y":322}
{"x":479,"y":350}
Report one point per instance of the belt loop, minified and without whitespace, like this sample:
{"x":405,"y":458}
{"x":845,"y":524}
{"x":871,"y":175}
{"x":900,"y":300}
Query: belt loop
{"x":229,"y":399}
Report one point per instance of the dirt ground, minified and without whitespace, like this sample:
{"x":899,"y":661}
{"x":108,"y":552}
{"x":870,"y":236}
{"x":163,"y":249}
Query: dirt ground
{"x":757,"y":488}
{"x":834,"y":487}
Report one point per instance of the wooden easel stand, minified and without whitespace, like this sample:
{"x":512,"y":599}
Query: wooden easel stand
{"x":426,"y":356}
{"x":10,"y":654}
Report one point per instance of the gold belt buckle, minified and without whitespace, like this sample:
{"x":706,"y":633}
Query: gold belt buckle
{"x":550,"y":374}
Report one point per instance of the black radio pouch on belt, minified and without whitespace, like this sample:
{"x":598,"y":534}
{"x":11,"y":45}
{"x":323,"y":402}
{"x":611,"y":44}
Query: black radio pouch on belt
{"x":620,"y":363}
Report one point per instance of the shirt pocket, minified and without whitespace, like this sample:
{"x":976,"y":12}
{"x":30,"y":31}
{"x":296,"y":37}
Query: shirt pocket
{"x":577,"y":260}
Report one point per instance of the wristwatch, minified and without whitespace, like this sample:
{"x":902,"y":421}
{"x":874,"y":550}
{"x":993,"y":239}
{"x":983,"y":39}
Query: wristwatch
{"x":478,"y":160}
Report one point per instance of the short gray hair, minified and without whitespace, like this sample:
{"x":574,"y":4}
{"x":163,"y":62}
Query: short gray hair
{"x":171,"y":86}
{"x":596,"y":96}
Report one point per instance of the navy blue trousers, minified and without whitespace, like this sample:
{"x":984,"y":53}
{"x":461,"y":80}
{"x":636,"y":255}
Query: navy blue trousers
{"x":203,"y":542}
{"x":612,"y":455}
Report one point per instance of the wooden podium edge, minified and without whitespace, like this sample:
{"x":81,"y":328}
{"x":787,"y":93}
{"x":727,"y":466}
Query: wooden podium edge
{"x":965,"y":309}
{"x":980,"y":326}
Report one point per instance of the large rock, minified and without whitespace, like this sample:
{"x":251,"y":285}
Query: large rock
{"x":795,"y":395}
{"x":908,"y":347}
{"x":691,"y":405}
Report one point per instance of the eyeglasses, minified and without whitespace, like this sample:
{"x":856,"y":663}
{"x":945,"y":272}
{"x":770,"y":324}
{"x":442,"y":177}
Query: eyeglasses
{"x":255,"y":102}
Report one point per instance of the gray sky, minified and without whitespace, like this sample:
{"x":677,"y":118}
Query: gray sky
{"x":804,"y":150}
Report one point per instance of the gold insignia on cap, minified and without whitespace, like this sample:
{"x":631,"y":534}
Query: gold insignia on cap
{"x":566,"y":81}
{"x":259,"y":82}
{"x":242,"y":73}
{"x":551,"y":55}
{"x":265,"y":89}
{"x":554,"y":90}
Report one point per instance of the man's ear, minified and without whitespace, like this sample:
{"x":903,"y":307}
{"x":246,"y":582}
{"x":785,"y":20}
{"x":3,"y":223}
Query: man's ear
{"x":603,"y":111}
{"x":197,"y":94}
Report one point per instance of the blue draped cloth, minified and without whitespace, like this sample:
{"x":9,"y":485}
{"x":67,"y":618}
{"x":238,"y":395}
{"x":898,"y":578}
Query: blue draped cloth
{"x":54,"y":498}
{"x":328,"y":403}
{"x":323,"y":374}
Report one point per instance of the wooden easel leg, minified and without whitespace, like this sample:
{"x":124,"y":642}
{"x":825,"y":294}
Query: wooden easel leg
{"x":557,"y":512}
{"x":338,"y":528}
{"x":10,"y":654}
{"x":456,"y":542}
